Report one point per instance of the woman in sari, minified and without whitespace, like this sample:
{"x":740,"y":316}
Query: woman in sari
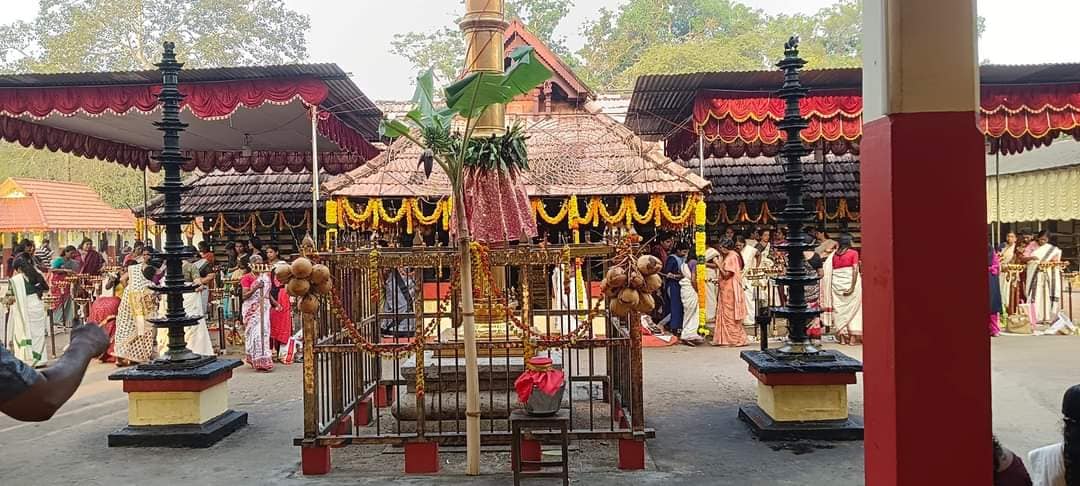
{"x":1006,"y":255}
{"x":104,"y":309}
{"x":1043,"y":284}
{"x":280,"y":314}
{"x":135,"y":337}
{"x":62,"y":267}
{"x":995,"y":294}
{"x":27,"y":322}
{"x":255,"y":310}
{"x":841,"y":293}
{"x":731,"y":308}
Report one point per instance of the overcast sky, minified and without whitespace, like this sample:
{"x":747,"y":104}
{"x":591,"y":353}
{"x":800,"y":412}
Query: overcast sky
{"x":356,"y":34}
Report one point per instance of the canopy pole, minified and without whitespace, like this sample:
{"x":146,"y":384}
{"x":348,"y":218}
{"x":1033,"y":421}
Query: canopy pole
{"x":315,"y":175}
{"x":701,"y":153}
{"x":145,"y":205}
{"x":997,"y":195}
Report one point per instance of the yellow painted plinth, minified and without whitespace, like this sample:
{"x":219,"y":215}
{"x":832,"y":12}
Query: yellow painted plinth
{"x":176,"y":407}
{"x":803,"y":403}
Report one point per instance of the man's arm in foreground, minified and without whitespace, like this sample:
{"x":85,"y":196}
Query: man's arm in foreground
{"x":58,"y":382}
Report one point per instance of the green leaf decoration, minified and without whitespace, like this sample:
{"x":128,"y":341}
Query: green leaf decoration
{"x":392,"y":128}
{"x":475,"y":92}
{"x":526,"y":72}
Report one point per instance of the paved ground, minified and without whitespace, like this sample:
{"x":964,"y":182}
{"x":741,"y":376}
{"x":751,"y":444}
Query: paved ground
{"x":691,"y":397}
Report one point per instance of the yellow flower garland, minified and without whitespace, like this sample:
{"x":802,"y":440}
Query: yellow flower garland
{"x":698,"y":207}
{"x":375,"y":214}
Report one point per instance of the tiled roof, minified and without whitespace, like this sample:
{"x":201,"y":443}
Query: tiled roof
{"x":585,"y":153}
{"x":229,"y":192}
{"x":762,"y":178}
{"x":38,"y":205}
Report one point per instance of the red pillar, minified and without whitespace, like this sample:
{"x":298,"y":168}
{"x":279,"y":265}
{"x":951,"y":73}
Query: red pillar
{"x":924,"y":235}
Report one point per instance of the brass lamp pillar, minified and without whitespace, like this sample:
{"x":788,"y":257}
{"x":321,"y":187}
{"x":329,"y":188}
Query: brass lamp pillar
{"x":484,"y":26}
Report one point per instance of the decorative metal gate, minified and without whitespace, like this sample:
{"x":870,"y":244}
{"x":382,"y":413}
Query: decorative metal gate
{"x":361,"y":387}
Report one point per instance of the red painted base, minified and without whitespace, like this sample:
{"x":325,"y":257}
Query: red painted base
{"x":530,"y":451}
{"x":631,"y":454}
{"x":422,"y":458}
{"x":384,"y":395}
{"x":362,"y":414}
{"x":314,"y":461}
{"x":343,"y":427}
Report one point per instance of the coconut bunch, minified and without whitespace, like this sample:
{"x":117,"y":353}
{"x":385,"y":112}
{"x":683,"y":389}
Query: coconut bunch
{"x":305,"y":281}
{"x":631,"y":282}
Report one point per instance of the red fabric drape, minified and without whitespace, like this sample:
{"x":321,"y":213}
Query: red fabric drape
{"x":45,"y":137}
{"x":1015,"y":118}
{"x":204,"y":100}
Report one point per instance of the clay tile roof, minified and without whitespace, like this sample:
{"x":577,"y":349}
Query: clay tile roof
{"x":38,"y":205}
{"x":762,"y":178}
{"x":229,"y":192}
{"x":586,"y":153}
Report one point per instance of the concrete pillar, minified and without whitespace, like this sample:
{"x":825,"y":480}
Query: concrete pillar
{"x":927,"y":358}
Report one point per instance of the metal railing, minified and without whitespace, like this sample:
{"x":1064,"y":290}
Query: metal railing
{"x":363,"y":385}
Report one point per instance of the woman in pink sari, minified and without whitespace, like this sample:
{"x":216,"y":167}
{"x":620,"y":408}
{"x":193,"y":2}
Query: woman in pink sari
{"x":732,"y":308}
{"x":281,"y":310}
{"x":256,"y":314}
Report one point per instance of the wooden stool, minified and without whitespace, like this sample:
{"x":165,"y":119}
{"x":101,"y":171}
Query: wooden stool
{"x":520,"y":421}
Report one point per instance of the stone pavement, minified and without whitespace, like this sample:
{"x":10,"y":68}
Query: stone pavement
{"x":691,"y":397}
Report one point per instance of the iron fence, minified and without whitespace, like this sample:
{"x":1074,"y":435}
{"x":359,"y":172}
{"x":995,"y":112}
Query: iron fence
{"x":384,"y":355}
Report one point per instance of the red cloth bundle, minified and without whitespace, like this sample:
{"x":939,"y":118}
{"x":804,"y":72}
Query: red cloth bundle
{"x":538,"y":372}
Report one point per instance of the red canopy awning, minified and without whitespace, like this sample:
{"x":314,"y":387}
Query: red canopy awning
{"x":737,"y":124}
{"x":243,"y":122}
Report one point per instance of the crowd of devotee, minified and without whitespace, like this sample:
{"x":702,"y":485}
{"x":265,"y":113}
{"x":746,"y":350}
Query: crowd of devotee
{"x":1026,"y":286}
{"x":61,"y":289}
{"x":739,"y":287}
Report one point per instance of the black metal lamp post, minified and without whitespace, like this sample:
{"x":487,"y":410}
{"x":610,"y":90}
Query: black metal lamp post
{"x":795,"y":214}
{"x":171,"y":159}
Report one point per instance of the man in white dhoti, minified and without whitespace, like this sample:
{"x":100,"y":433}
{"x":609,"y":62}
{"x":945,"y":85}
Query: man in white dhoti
{"x":749,"y":255}
{"x":565,"y":297}
{"x":713,"y":263}
{"x":1044,"y":281}
{"x":197,"y":336}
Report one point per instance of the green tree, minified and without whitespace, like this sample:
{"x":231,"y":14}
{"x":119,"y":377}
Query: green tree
{"x":101,"y":35}
{"x":113,"y":35}
{"x":444,"y":49}
{"x":678,"y":36}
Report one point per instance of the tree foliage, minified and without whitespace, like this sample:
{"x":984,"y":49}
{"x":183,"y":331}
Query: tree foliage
{"x":443,"y":50}
{"x":679,"y":36}
{"x":109,"y":35}
{"x":118,"y":186}
{"x":113,"y":35}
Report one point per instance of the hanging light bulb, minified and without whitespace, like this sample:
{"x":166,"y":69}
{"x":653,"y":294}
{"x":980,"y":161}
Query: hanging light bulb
{"x":245,"y":149}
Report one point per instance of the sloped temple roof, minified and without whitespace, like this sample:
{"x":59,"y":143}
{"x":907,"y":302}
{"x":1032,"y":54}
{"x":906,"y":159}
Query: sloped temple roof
{"x":576,"y":150}
{"x":37,"y":205}
{"x":569,"y":154}
{"x":232,"y":192}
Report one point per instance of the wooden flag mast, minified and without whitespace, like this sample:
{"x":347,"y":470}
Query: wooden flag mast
{"x":483,"y":26}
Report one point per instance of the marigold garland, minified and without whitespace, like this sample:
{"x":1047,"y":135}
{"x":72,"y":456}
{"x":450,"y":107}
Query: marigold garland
{"x":375,"y":214}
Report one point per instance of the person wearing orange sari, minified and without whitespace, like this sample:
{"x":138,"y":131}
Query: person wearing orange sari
{"x":731,"y":307}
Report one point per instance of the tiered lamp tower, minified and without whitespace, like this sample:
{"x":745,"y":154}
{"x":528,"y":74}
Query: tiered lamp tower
{"x":802,"y":390}
{"x":181,"y":399}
